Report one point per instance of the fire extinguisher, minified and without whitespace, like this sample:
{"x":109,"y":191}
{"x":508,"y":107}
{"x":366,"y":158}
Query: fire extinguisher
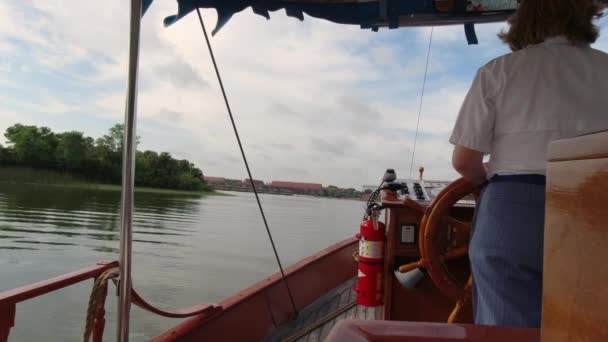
{"x":371,"y":263}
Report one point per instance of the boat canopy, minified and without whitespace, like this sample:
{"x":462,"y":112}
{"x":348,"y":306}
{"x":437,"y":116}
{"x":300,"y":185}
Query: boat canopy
{"x":368,"y":14}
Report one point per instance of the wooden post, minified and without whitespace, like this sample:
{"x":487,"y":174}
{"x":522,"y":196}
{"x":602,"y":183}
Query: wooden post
{"x":576,"y":235}
{"x":7,"y":320}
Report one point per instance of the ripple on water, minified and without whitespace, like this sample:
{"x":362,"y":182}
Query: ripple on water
{"x":186,"y":250}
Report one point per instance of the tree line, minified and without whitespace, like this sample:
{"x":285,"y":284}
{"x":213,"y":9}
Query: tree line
{"x":96,"y":159}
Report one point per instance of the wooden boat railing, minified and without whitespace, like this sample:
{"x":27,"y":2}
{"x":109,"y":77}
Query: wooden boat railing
{"x":310,"y":278}
{"x":10,"y":299}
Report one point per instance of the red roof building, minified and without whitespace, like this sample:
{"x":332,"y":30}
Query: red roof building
{"x":297,"y":185}
{"x":256,"y":182}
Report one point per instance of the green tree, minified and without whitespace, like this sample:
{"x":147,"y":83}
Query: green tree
{"x":71,"y":150}
{"x":145,"y":168}
{"x":108,"y":152}
{"x":112,"y":142}
{"x":198,"y":173}
{"x":7,"y":156}
{"x":96,"y":159}
{"x":166,"y":172}
{"x":185,"y":181}
{"x":163,"y":171}
{"x":33,"y":146}
{"x":184,"y":166}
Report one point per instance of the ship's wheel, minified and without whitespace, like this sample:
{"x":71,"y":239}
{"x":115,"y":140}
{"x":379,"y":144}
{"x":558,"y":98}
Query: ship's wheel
{"x":444,"y":238}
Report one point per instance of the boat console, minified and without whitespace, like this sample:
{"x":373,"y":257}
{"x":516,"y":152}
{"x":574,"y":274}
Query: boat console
{"x":405,"y":210}
{"x":424,"y":192}
{"x":417,"y":190}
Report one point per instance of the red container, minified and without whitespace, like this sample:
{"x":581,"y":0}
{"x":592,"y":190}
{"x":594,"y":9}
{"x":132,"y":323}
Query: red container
{"x":371,"y":259}
{"x":369,"y":284}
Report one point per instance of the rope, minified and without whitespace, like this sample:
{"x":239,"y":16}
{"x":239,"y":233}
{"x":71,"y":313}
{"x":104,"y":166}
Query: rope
{"x":238,"y":139}
{"x":98,"y":299}
{"x":426,"y":69}
{"x":356,"y":256}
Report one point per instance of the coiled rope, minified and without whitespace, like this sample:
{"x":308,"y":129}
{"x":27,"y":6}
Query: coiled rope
{"x":97,"y":300}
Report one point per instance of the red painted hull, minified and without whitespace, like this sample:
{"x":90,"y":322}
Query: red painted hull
{"x":253,"y":313}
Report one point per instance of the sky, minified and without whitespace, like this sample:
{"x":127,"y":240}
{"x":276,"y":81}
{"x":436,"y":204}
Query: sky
{"x":313,"y":101}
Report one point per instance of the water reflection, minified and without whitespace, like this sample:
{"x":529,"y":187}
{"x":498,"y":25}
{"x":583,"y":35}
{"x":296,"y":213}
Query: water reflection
{"x":33,"y":216}
{"x":187,"y":249}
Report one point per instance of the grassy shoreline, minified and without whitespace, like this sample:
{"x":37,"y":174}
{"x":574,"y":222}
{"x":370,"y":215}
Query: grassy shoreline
{"x":15,"y":175}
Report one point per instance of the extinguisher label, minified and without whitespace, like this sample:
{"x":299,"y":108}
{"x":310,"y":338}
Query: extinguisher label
{"x":360,"y":274}
{"x":370,"y":249}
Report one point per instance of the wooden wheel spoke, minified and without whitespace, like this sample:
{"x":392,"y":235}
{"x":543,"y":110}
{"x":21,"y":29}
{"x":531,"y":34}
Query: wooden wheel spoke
{"x":412,"y":266}
{"x":460,"y":226}
{"x":440,"y":245}
{"x":456,"y":253}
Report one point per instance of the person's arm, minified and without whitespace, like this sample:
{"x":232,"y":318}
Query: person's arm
{"x":469,"y":163}
{"x":473,"y":133}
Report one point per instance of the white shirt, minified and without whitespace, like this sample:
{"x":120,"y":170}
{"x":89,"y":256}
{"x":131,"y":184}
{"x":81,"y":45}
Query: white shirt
{"x":522,"y":101}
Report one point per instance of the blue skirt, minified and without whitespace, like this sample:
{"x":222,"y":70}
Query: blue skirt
{"x":506,"y":253}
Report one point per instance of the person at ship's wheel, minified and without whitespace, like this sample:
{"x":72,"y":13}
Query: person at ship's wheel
{"x":552,"y":86}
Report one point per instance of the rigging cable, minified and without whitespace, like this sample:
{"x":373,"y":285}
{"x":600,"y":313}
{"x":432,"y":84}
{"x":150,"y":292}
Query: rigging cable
{"x":426,"y":69}
{"x":238,"y":139}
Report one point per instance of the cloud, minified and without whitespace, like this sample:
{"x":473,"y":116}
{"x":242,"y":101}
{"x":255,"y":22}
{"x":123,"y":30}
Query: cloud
{"x":179,"y":74}
{"x":8,"y":119}
{"x":294,"y":172}
{"x":313,"y":101}
{"x":335,"y":146}
{"x":280,"y":109}
{"x":282,"y":146}
{"x":358,"y":109}
{"x":384,"y":56}
{"x":170,"y":115}
{"x":6,"y":47}
{"x":602,"y":42}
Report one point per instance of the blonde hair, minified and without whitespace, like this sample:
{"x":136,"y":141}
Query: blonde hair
{"x":537,"y":20}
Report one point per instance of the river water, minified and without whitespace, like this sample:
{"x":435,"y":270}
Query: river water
{"x":187,"y":249}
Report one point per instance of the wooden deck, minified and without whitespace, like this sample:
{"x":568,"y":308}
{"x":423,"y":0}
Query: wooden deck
{"x":316,"y":320}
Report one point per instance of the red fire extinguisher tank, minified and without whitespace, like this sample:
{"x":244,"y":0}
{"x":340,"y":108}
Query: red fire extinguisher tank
{"x":371,"y":263}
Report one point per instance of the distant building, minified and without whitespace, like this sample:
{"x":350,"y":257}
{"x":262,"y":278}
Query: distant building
{"x":312,"y":189}
{"x":256,"y":182}
{"x":281,"y":188}
{"x":221,"y":183}
{"x":221,"y":180}
{"x":297,"y":185}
